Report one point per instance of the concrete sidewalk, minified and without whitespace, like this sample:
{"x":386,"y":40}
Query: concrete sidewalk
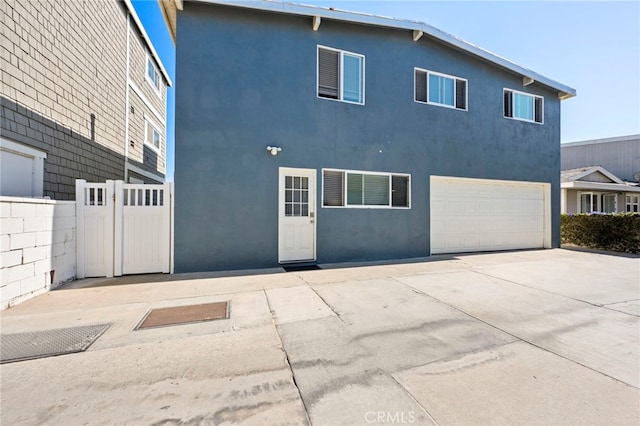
{"x":528,"y":337}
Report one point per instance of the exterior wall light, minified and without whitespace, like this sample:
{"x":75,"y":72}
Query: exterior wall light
{"x":274,"y":150}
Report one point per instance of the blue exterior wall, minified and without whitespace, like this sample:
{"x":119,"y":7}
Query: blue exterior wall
{"x":247,"y":79}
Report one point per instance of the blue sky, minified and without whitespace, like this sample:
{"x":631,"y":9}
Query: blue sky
{"x":592,"y":46}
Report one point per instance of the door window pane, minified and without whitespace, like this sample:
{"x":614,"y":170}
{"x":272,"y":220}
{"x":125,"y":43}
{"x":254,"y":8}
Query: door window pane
{"x":296,"y":196}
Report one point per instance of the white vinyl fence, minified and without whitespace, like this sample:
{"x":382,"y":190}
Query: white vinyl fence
{"x":123,"y":228}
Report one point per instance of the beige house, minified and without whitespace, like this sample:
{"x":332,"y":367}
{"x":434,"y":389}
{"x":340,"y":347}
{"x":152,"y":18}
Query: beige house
{"x":594,"y":189}
{"x":84,"y":96}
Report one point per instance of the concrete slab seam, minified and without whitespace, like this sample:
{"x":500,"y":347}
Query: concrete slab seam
{"x":325,"y":302}
{"x":596,"y":305}
{"x":286,"y":358}
{"x":414,"y":399}
{"x":524,"y":340}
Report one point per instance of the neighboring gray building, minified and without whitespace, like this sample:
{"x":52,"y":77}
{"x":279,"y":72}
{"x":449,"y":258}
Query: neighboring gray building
{"x":619,"y":155}
{"x":306,"y":135}
{"x":83,"y":97}
{"x":601,"y":175}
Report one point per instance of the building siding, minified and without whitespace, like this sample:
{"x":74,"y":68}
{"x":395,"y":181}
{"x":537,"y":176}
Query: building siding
{"x":62,"y":63}
{"x":239,"y":94}
{"x":620,"y":156}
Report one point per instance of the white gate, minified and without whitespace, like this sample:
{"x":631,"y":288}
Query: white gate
{"x":123,"y":228}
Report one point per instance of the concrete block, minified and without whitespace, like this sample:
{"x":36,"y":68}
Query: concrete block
{"x":64,"y":222}
{"x":33,"y":254}
{"x":5,"y":243}
{"x":57,"y":249}
{"x":21,"y":210}
{"x":5,"y":209}
{"x":70,"y":247}
{"x":45,"y":210}
{"x":10,"y":258}
{"x":63,"y":235}
{"x":17,"y":273}
{"x":11,"y":225}
{"x":43,"y":266}
{"x":32,"y":284}
{"x":19,"y":241}
{"x":9,"y":292}
{"x":33,"y":224}
{"x":44,"y":238}
{"x":65,"y":210}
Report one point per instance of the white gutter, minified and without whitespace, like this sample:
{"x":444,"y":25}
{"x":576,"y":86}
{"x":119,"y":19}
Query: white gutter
{"x":600,"y":186}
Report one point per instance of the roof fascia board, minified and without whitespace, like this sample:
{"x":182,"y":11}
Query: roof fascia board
{"x":618,"y":187}
{"x":565,"y":92}
{"x":604,"y":140}
{"x":147,"y":40}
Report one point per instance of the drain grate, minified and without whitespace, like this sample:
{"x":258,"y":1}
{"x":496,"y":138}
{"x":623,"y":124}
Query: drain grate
{"x":41,"y":344}
{"x":176,"y":315}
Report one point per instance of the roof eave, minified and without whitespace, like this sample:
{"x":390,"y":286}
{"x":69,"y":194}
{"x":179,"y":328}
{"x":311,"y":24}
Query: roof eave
{"x":564,"y":92}
{"x":147,"y":40}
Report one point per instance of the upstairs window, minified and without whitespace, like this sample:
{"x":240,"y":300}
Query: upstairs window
{"x":152,"y":135}
{"x":523,"y":106}
{"x":341,"y":188}
{"x":440,"y":89}
{"x":340,"y":75}
{"x":153,"y":76}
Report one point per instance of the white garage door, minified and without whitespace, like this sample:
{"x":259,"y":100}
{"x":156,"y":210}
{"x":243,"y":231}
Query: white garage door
{"x":485,"y":215}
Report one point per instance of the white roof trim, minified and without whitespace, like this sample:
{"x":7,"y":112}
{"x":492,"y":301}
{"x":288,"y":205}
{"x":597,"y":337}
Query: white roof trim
{"x":147,"y":40}
{"x":604,"y":140}
{"x":595,"y":169}
{"x":565,"y":92}
{"x":600,"y":186}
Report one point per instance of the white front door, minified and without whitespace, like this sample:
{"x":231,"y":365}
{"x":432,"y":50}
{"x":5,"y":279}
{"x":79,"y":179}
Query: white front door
{"x":296,"y":212}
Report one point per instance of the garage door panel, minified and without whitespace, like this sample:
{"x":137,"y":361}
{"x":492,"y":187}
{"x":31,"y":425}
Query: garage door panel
{"x":483,"y":215}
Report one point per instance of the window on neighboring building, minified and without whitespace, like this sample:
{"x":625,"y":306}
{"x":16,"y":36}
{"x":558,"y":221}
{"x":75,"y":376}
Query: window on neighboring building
{"x":523,"y":106}
{"x":152,"y":74}
{"x":593,"y":202}
{"x":340,"y":75}
{"x":342,"y":188}
{"x":633,"y":203}
{"x":152,"y":135}
{"x":440,"y":89}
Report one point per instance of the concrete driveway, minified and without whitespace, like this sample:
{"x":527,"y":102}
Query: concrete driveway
{"x":529,"y":337}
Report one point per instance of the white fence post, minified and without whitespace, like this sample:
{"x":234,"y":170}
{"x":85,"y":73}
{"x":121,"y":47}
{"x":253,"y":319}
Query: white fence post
{"x":80,"y":185}
{"x":109,"y":225}
{"x":171,"y":233}
{"x":166,"y":225}
{"x":117,"y":228}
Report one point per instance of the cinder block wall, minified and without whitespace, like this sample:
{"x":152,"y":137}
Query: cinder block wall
{"x":37,"y":247}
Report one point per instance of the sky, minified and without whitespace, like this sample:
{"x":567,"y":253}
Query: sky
{"x":591,"y":46}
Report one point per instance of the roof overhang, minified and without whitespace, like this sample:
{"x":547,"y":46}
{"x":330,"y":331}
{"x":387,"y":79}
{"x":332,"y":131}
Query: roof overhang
{"x":599,"y":186}
{"x":416,"y":29}
{"x":147,"y":40}
{"x":597,"y":169}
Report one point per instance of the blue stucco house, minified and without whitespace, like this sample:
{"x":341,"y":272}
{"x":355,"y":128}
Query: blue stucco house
{"x":307,"y":134}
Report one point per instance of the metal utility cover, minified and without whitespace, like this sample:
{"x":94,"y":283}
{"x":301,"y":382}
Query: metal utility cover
{"x":41,"y":344}
{"x":176,"y":315}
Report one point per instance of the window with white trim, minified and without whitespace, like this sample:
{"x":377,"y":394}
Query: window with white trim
{"x":633,"y":203}
{"x":594,"y":202}
{"x":153,"y":76}
{"x":340,"y":75}
{"x":151,"y":135}
{"x":440,"y":89}
{"x":350,"y":188}
{"x":523,"y":106}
